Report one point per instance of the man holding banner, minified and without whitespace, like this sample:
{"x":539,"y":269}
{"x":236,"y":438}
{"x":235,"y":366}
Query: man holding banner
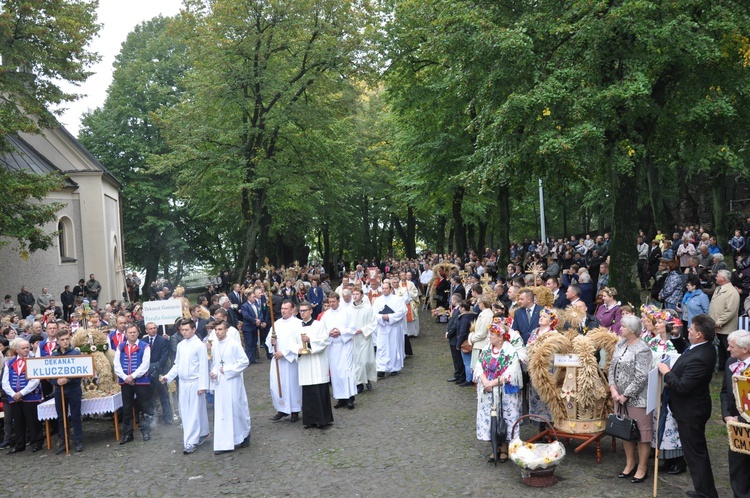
{"x":738,"y":364}
{"x":73,"y":396}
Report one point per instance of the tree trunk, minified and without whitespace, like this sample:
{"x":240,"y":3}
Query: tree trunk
{"x":411,"y":233}
{"x":624,"y":258}
{"x":459,"y":228}
{"x":327,"y":263}
{"x":503,"y":202}
{"x":718,"y":191}
{"x":482,"y":236}
{"x":654,"y":194}
{"x":440,"y":240}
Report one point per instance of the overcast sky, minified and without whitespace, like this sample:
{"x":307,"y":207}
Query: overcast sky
{"x":118,"y":18}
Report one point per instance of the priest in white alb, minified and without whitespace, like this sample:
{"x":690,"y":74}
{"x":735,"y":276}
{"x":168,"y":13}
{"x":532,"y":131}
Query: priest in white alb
{"x":285,"y":349}
{"x":231,"y":410}
{"x":338,"y":323}
{"x":365,"y":323}
{"x":391,"y":314}
{"x":313,"y":371}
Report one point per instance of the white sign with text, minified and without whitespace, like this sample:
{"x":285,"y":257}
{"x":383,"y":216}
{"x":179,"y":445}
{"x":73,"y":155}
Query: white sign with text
{"x":51,"y":367}
{"x":162,"y":312}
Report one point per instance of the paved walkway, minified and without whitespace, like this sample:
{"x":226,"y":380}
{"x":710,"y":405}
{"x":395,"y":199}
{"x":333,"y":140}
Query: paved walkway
{"x":413,"y":435}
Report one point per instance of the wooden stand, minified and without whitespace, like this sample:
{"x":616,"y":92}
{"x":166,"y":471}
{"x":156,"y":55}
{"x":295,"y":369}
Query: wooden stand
{"x":586,"y":438}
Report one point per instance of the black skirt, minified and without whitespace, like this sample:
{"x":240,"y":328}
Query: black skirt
{"x":316,"y":405}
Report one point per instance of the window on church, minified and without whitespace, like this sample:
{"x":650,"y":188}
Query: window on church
{"x":65,"y":240}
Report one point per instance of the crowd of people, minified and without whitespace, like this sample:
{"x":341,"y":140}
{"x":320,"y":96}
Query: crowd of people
{"x":325,"y":344}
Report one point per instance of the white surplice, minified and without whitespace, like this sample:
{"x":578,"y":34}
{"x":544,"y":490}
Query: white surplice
{"x":288,"y":342}
{"x":341,"y":352}
{"x":364,"y":351}
{"x":390,"y":333}
{"x":231,"y":410}
{"x":232,"y":333}
{"x":313,"y":367}
{"x":191,"y":366}
{"x":409,"y":289}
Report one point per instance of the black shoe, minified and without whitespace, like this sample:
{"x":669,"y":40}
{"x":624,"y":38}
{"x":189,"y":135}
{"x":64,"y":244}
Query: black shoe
{"x":16,"y":449}
{"x":306,"y":426}
{"x":393,"y":374}
{"x":381,"y":375}
{"x":623,"y":475}
{"x":127,"y":439}
{"x":79,"y":447}
{"x":460,"y":381}
{"x":637,"y":480}
{"x":677,"y":469}
{"x":452,"y":379}
{"x":368,"y":386}
{"x":295,"y":417}
{"x":4,"y":445}
{"x":693,"y":493}
{"x":340,"y":403}
{"x":146,"y":437}
{"x":278,"y":416}
{"x":360,"y":388}
{"x":167,"y":421}
{"x":60,"y":449}
{"x":245,"y":442}
{"x":466,"y":383}
{"x":221,"y":452}
{"x":350,"y":404}
{"x":36,"y":448}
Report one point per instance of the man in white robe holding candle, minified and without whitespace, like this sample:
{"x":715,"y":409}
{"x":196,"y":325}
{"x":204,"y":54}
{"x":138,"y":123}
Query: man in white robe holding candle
{"x":286,"y":347}
{"x":365,"y":323}
{"x":231,"y":410}
{"x":313,"y":371}
{"x":337,"y":321}
{"x":391,"y":313}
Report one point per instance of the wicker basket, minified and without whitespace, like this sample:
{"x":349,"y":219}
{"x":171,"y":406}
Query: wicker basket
{"x":539,"y":477}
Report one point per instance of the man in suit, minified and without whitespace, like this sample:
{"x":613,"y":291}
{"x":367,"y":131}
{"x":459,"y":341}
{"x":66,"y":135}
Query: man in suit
{"x":526,"y":317}
{"x":451,"y":333}
{"x":200,"y":323}
{"x":157,"y":367}
{"x":226,"y":305}
{"x":560,"y":301}
{"x":687,"y":389}
{"x":724,"y":308}
{"x":739,"y":463}
{"x":26,"y":301}
{"x":236,"y":300}
{"x":68,"y":301}
{"x":457,"y":287}
{"x":253,"y":320}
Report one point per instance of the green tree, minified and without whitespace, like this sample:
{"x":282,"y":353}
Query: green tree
{"x":266,"y":74}
{"x":41,"y":44}
{"x":160,"y":234}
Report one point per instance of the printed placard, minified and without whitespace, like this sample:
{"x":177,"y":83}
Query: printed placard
{"x":162,"y":312}
{"x":567,"y":360}
{"x":51,"y":367}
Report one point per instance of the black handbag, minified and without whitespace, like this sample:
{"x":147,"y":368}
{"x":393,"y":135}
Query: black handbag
{"x":501,"y":429}
{"x":619,"y":425}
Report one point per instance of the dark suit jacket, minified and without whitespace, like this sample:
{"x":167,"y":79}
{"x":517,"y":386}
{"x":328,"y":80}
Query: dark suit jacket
{"x":459,"y":290}
{"x":234,"y":299}
{"x":452,"y":328}
{"x":561,"y":302}
{"x":688,"y":384}
{"x":159,"y":355}
{"x":200,"y":328}
{"x":522,"y":324}
{"x":249,"y":316}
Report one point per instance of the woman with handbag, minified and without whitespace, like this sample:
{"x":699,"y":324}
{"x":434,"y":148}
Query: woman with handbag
{"x":498,"y":372}
{"x":628,"y":379}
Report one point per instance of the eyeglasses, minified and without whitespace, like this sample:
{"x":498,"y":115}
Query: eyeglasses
{"x":304,"y":310}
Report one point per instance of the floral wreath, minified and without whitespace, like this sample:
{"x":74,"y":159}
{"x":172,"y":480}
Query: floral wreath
{"x":501,"y":326}
{"x":552,"y":316}
{"x":668,"y":317}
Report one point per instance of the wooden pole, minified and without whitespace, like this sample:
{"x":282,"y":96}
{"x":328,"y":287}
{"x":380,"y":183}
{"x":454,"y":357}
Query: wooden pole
{"x":65,"y":419}
{"x":656,"y":451}
{"x":267,"y":268}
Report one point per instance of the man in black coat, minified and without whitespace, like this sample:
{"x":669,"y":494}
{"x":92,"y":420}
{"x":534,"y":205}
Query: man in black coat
{"x":687,"y":389}
{"x":25,"y":301}
{"x":457,"y":287}
{"x":157,"y":368}
{"x":451,"y":333}
{"x":739,"y":463}
{"x":68,"y":301}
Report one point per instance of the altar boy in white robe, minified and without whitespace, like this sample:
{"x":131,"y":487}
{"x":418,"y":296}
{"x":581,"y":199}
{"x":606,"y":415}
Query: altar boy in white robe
{"x":313,"y":371}
{"x":231,"y":410}
{"x":286,"y":347}
{"x":191,"y":366}
{"x":365,"y":323}
{"x":337,"y":321}
{"x":391,"y":313}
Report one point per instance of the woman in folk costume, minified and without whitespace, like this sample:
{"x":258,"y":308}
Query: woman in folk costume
{"x":663,"y":343}
{"x":498,"y":373}
{"x":479,"y":338}
{"x":547,"y":323}
{"x":648,"y":322}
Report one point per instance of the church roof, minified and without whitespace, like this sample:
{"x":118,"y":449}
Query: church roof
{"x":25,"y":158}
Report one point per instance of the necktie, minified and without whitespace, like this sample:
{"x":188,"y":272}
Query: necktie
{"x":151,"y":341}
{"x":738,"y":367}
{"x":528,"y":313}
